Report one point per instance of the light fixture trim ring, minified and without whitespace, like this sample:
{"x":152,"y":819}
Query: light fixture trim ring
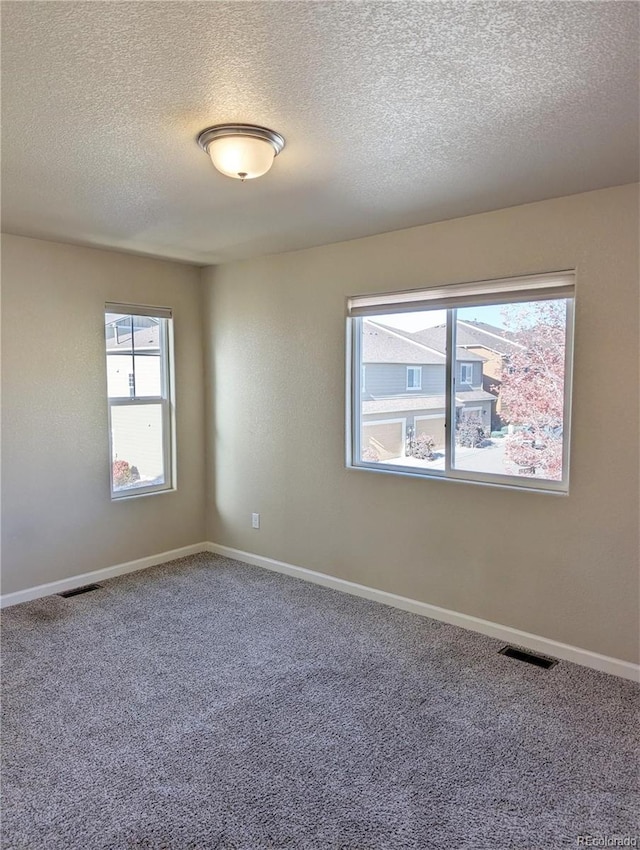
{"x":220,"y":131}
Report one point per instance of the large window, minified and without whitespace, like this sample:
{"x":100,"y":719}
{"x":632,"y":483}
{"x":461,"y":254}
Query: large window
{"x":492,"y":402}
{"x":139,"y":394}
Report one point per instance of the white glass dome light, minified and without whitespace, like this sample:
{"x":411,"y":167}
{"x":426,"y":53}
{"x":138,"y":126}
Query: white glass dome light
{"x":243,"y":151}
{"x":243,"y":157}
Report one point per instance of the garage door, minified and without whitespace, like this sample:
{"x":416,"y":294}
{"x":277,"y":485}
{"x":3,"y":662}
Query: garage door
{"x":385,"y":438}
{"x":433,"y":426}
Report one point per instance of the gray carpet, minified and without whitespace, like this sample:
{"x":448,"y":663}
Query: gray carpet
{"x":208,"y":705}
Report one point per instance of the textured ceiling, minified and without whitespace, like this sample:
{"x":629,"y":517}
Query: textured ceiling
{"x":395,"y":114}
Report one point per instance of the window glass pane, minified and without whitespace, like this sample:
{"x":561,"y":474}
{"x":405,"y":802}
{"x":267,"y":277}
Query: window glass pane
{"x":117,"y":328}
{"x":148,"y":375}
{"x":509,"y":416}
{"x":146,"y":333}
{"x":402,"y":409}
{"x":137,"y":446}
{"x":118,"y":331}
{"x":119,"y":375}
{"x":414,"y":378}
{"x":135,"y":347}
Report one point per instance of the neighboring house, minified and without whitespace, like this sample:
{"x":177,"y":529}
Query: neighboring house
{"x":118,"y":331}
{"x":403,"y":387}
{"x":494,"y":345}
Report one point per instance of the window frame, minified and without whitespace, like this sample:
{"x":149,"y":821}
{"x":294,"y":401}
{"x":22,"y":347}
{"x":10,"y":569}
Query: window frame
{"x":415,"y":370}
{"x":166,"y":399}
{"x":472,"y":411}
{"x":446,"y":297}
{"x":464,"y":367}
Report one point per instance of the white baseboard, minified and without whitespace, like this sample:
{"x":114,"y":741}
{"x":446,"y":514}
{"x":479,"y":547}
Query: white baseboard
{"x":536,"y":643}
{"x":70,"y":583}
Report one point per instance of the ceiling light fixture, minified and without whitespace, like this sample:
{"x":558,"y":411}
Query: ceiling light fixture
{"x":243,"y":151}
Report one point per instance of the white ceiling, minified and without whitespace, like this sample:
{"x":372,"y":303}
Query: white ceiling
{"x":395,"y":114}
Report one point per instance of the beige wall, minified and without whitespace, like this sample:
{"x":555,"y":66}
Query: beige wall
{"x":57,"y":516}
{"x":565,"y":568}
{"x":562,"y":567}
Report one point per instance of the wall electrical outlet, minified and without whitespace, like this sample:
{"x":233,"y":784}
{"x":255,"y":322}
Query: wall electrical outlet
{"x":255,"y":520}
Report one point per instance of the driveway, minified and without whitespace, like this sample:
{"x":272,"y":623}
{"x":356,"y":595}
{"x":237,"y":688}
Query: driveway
{"x":487,"y":459}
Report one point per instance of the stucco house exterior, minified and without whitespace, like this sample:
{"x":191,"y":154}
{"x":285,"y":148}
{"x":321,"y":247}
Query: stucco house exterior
{"x":403,"y":387}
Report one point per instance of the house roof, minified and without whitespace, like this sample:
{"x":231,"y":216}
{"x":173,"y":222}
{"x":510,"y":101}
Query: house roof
{"x":435,"y":337}
{"x":464,"y":396}
{"x":408,"y":403}
{"x":468,"y":333}
{"x":433,"y":340}
{"x":143,"y":339}
{"x":489,"y":336}
{"x":384,"y":345}
{"x":395,"y":404}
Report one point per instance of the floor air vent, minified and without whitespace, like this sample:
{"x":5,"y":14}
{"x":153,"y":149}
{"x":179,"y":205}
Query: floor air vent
{"x":529,"y":657}
{"x":77,"y":590}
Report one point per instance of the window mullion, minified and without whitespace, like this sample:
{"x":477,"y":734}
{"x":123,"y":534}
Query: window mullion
{"x":167,"y":440}
{"x":450,"y":397}
{"x":356,"y":390}
{"x":567,"y":389}
{"x":127,"y":401}
{"x":133,"y":360}
{"x":164,"y":376}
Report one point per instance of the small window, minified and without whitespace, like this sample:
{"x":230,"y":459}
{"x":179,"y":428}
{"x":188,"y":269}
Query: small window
{"x":139,"y":388}
{"x":510,"y":426}
{"x":414,"y":377}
